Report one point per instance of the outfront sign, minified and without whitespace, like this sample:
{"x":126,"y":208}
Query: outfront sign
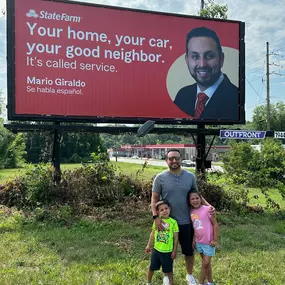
{"x":238,"y":134}
{"x":70,"y":60}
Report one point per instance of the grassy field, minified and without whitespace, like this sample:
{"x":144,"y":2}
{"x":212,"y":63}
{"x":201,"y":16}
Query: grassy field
{"x":107,"y":248}
{"x":126,"y":168}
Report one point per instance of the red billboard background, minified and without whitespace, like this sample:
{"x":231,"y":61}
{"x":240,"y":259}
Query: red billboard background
{"x":72,"y":61}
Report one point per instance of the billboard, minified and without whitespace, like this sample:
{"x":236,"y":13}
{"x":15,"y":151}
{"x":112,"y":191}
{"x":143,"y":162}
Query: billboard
{"x":73,"y":61}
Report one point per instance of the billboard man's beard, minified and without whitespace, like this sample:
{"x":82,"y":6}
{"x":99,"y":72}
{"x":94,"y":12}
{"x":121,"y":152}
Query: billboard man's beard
{"x":205,"y":77}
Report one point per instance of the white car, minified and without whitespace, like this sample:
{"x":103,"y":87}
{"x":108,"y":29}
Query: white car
{"x":188,"y":163}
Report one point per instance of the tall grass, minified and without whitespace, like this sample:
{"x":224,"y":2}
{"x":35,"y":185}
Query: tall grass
{"x":108,"y":249}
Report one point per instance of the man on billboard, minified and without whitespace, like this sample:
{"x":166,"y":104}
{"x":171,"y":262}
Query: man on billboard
{"x":213,"y":96}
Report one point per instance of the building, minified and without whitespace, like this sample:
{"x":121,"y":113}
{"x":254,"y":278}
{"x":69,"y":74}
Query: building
{"x":158,"y":151}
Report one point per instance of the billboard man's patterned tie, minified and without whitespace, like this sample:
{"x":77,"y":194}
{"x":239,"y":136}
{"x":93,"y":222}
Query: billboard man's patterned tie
{"x":200,"y":106}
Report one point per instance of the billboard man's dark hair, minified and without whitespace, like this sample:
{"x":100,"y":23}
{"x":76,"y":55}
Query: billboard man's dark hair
{"x":203,"y":32}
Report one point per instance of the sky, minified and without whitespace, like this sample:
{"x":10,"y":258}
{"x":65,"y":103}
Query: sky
{"x":264,"y":22}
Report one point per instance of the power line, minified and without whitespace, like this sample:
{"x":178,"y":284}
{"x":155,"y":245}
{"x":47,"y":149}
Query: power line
{"x":247,"y":65}
{"x":254,"y":89}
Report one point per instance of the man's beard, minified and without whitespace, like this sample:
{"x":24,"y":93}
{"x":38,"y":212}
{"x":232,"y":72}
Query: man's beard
{"x":174,"y":167}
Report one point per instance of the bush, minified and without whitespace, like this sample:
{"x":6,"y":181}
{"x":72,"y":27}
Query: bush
{"x":223,"y":200}
{"x":264,"y":168}
{"x":90,"y":186}
{"x":95,"y":185}
{"x":75,"y":158}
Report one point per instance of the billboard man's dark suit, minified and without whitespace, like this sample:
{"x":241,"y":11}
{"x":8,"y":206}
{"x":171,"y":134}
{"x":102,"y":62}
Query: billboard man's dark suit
{"x":224,"y":104}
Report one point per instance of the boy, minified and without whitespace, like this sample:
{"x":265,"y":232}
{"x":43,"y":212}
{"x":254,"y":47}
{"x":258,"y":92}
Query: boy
{"x":165,"y":244}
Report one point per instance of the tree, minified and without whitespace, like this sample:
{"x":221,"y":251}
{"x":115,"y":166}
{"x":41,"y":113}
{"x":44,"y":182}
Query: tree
{"x":263,"y":169}
{"x":277,"y":117}
{"x":212,"y":10}
{"x":74,"y":146}
{"x":12,"y":148}
{"x":238,"y":160}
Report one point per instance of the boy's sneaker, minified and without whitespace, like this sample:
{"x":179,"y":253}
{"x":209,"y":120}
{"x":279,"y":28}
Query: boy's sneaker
{"x":190,"y":279}
{"x":166,"y":280}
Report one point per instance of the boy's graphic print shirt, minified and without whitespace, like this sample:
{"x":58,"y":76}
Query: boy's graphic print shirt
{"x":164,"y":240}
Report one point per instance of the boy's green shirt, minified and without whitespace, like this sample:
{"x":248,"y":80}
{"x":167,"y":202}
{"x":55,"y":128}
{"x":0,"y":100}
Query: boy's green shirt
{"x":164,"y":240}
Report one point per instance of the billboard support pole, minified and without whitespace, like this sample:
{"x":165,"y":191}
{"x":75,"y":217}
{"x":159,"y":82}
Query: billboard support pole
{"x":56,"y":155}
{"x":201,"y":151}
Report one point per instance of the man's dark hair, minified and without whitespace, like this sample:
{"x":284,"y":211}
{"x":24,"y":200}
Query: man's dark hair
{"x":173,"y":149}
{"x":161,"y":202}
{"x":203,"y":32}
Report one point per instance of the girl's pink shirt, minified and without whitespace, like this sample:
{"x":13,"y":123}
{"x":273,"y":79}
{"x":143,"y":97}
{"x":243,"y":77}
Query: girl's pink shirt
{"x":202,"y":225}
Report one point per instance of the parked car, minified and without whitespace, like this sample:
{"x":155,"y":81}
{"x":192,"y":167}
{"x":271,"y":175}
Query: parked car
{"x":188,"y":163}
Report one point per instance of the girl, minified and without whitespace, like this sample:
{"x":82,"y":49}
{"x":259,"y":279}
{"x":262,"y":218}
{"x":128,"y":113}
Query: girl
{"x":205,"y":234}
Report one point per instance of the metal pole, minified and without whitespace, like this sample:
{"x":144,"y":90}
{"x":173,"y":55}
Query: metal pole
{"x":56,"y":156}
{"x":268,"y":88}
{"x":201,"y":151}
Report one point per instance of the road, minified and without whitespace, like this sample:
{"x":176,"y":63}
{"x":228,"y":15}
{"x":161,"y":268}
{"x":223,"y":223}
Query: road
{"x":215,"y":168}
{"x":141,"y":161}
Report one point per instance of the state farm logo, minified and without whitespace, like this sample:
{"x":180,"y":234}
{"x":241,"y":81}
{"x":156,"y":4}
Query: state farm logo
{"x":32,"y":13}
{"x":53,"y":16}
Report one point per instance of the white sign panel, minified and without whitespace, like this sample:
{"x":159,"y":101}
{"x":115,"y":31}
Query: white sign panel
{"x":279,"y":135}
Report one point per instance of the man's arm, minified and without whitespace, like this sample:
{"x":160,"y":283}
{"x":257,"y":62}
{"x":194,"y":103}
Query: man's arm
{"x":194,"y":187}
{"x":154,"y":199}
{"x":155,"y":196}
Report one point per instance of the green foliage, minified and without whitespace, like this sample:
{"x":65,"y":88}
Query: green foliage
{"x":212,"y":10}
{"x":10,"y":219}
{"x":75,"y":158}
{"x":12,"y":148}
{"x":75,"y":147}
{"x":230,"y":200}
{"x":277,"y":117}
{"x":264,"y":169}
{"x":16,"y":152}
{"x":238,"y":161}
{"x":82,"y":188}
{"x":59,"y":214}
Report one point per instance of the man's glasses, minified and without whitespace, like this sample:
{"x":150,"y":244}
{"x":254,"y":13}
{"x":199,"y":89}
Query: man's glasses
{"x":171,"y":158}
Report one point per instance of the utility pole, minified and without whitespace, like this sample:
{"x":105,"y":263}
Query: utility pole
{"x":202,"y":5}
{"x":268,"y":88}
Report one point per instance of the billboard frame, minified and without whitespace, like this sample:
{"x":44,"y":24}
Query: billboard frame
{"x":11,"y":65}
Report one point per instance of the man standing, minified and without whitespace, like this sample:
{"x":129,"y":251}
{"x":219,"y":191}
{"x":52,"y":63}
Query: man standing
{"x":174,"y":184}
{"x":213,"y":96}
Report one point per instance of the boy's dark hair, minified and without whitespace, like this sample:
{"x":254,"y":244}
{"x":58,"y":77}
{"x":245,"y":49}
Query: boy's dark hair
{"x":203,"y":32}
{"x":161,"y":202}
{"x":190,"y":192}
{"x":173,"y":149}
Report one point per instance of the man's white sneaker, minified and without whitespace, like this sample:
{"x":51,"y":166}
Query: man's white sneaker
{"x":190,"y":279}
{"x":166,"y":280}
